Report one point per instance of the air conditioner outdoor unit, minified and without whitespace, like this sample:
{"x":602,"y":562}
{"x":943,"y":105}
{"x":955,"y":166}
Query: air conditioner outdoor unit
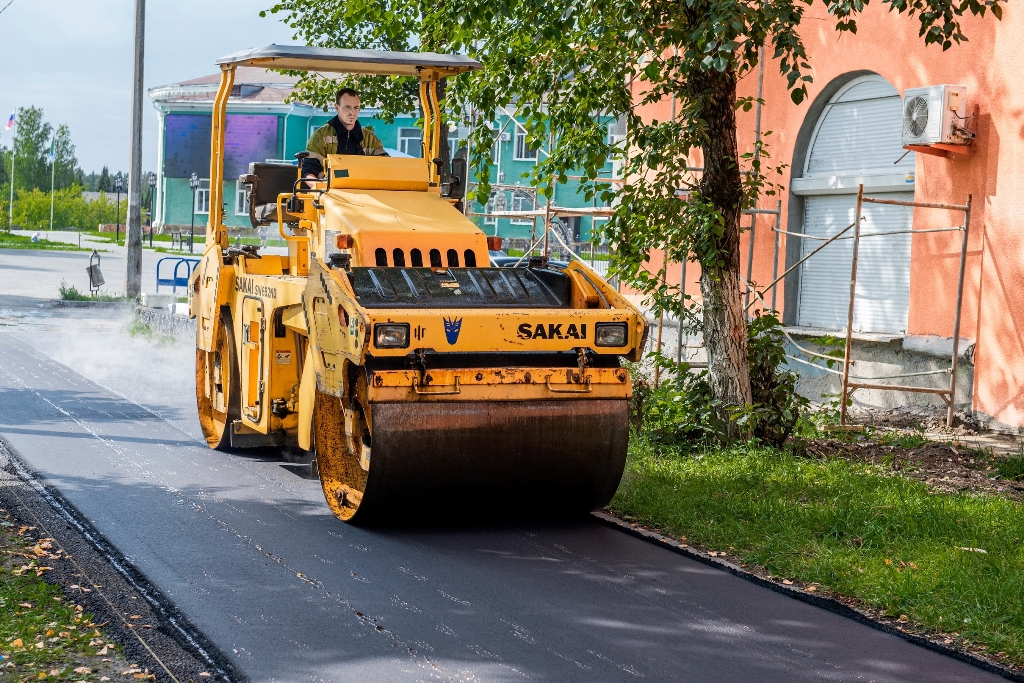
{"x":936,"y":114}
{"x":505,"y":137}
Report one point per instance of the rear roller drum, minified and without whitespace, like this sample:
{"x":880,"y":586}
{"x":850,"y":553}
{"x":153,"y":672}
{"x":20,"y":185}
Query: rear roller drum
{"x":217,"y":390}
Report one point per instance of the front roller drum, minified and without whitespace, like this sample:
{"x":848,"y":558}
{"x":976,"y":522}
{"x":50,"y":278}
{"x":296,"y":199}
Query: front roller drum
{"x":422,"y":461}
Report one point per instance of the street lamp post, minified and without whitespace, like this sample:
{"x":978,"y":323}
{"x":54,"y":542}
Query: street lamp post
{"x":152,"y":205}
{"x":193,"y":182}
{"x":118,"y":188}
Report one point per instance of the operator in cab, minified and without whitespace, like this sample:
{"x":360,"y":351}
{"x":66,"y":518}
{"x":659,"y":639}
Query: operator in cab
{"x":341,"y":135}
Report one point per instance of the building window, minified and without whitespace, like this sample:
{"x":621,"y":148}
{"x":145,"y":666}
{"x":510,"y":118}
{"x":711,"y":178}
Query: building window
{"x":453,"y":138}
{"x":202,"y":204}
{"x":523,"y":202}
{"x":241,"y":199}
{"x":496,"y":144}
{"x":522,"y":151}
{"x":409,"y":140}
{"x":489,"y":209}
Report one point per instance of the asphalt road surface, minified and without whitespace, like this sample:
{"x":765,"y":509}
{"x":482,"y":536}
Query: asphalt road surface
{"x":247,"y":549}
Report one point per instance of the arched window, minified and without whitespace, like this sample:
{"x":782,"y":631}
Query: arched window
{"x":381,"y":256}
{"x":398,"y":258}
{"x":453,"y":258}
{"x":416,"y":256}
{"x":857,"y":139}
{"x":435,"y":258}
{"x":470,"y":258}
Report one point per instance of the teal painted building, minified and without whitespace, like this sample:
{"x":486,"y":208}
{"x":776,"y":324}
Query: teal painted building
{"x":262,"y":126}
{"x":511,"y":191}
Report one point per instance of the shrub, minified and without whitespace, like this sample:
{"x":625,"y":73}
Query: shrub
{"x":682,"y":412}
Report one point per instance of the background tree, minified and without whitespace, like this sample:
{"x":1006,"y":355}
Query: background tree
{"x":31,"y":148}
{"x":566,"y":66}
{"x":104,"y":184}
{"x":66,"y":171}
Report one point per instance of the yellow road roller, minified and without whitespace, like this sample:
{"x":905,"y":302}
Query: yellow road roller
{"x":419,"y":374}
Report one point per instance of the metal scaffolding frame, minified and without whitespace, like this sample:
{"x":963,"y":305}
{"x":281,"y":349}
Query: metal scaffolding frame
{"x":948,"y":395}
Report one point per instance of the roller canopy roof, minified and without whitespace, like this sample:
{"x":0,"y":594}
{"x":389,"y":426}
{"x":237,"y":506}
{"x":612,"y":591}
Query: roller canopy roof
{"x":334,"y":60}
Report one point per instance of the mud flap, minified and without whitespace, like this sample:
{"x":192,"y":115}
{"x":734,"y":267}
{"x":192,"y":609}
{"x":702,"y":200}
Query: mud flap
{"x":335,"y":329}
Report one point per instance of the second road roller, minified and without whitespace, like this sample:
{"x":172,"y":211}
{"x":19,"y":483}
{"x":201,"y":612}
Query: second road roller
{"x":419,"y":374}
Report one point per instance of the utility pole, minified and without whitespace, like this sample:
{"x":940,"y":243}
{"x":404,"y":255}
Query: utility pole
{"x":133,"y":241}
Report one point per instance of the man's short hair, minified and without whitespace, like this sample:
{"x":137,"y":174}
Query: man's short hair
{"x":343,"y":92}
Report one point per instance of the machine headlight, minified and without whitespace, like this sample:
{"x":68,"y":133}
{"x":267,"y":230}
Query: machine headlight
{"x":610,"y":334}
{"x":391,"y":335}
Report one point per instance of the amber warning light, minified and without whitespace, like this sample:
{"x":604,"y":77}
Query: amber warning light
{"x":343,"y":241}
{"x":493,"y":243}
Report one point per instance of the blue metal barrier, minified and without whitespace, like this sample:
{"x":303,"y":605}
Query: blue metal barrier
{"x":176,"y":280}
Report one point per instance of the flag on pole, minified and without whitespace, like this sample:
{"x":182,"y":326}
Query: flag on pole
{"x":10,"y":121}
{"x":52,"y":141}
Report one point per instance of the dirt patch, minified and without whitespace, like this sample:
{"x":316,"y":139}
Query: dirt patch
{"x":944,"y":467}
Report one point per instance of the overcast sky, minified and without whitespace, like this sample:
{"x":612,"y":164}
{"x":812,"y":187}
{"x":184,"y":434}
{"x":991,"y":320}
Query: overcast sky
{"x":73,"y":58}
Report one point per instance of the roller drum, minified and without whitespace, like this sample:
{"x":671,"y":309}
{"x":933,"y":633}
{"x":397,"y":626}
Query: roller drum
{"x":444,"y":459}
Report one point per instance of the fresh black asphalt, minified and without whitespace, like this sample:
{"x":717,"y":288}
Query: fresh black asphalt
{"x":246,"y":549}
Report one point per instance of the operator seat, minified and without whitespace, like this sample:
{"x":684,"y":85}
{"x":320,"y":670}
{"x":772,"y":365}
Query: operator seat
{"x":266,"y":181}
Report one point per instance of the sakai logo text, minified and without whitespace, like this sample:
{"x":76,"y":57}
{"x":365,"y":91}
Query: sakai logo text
{"x":248,"y":286}
{"x":451,"y":329}
{"x":552,"y":331}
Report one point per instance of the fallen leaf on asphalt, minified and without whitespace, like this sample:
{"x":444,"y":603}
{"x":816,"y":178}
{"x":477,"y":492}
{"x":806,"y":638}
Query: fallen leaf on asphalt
{"x":17,"y":643}
{"x":811,"y":589}
{"x":55,"y":672}
{"x":204,"y":674}
{"x":103,"y":651}
{"x":903,"y":618}
{"x":50,"y":632}
{"x":25,"y":604}
{"x":104,"y":678}
{"x":40,"y":645}
{"x":974,"y":550}
{"x":83,"y":670}
{"x":787,"y":582}
{"x":135,"y":616}
{"x":42,"y":674}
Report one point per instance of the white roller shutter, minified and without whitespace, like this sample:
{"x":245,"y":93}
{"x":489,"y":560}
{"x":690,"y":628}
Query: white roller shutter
{"x":861,"y":130}
{"x":859,"y":134}
{"x":883,"y":269}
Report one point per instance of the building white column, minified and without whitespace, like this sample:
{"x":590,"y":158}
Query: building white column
{"x":159,"y":210}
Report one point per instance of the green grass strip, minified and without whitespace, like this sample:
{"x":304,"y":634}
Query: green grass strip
{"x":853,"y":528}
{"x":12,"y":241}
{"x":42,"y":635}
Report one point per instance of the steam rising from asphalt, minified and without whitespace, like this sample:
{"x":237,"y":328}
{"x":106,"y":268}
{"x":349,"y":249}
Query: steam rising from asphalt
{"x":158,"y":373}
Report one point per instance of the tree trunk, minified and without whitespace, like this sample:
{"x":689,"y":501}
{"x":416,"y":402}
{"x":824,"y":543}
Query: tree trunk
{"x":724,"y":320}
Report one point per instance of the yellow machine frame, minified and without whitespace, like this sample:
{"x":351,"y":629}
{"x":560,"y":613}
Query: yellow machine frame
{"x":276,"y":332}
